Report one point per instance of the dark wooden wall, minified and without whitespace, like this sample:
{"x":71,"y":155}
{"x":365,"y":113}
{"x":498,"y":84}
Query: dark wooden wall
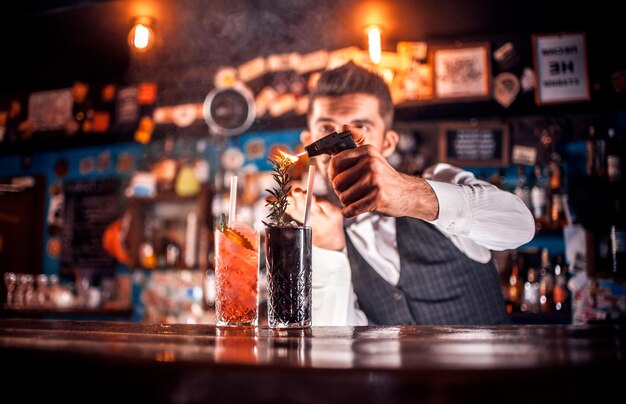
{"x":49,"y":44}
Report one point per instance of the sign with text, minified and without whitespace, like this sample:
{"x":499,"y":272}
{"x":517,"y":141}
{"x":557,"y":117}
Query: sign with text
{"x":90,"y":206}
{"x":469,"y":144}
{"x":561,"y":65}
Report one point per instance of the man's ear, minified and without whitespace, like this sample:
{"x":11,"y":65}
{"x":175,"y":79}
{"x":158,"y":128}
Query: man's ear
{"x":305,"y":137}
{"x":389,"y":143}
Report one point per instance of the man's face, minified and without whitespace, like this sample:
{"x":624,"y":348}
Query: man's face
{"x":360,"y":111}
{"x":330,"y":114}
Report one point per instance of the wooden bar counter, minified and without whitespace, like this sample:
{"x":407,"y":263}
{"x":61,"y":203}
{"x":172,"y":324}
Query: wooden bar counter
{"x":81,"y":361}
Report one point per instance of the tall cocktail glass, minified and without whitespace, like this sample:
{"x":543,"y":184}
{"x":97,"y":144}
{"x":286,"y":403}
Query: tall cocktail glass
{"x":236,"y":274}
{"x":289,"y":275}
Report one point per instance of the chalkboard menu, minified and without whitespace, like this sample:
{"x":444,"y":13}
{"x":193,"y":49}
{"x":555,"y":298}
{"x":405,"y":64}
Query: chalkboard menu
{"x":474,"y":144}
{"x":90,"y":206}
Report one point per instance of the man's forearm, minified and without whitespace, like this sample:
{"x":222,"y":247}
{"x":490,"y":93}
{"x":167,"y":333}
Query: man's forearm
{"x":418,"y":199}
{"x":483,"y":213}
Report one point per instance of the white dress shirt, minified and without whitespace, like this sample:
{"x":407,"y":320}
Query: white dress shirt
{"x":475,"y":215}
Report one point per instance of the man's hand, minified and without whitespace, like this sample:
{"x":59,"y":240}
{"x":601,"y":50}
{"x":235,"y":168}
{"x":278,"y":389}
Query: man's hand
{"x":365,"y":182}
{"x":357,"y":134}
{"x":325,"y":219}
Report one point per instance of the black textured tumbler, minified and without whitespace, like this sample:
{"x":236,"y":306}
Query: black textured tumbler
{"x":288,"y":264}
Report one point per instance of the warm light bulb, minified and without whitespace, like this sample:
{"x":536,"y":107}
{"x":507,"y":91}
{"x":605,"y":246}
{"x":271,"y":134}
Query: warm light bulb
{"x":141,"y":36}
{"x":374,"y":42}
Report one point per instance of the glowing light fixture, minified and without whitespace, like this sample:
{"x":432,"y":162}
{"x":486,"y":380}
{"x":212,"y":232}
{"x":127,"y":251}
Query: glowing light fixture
{"x":374,"y":42}
{"x":141,"y":35}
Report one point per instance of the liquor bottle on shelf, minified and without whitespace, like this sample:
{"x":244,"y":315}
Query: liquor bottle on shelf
{"x":607,"y":239}
{"x":515,"y":286}
{"x":560,"y":294}
{"x":590,"y":153}
{"x":601,"y":207}
{"x":539,"y":198}
{"x":167,"y":245}
{"x":521,"y":189}
{"x":614,"y":154}
{"x":147,"y":252}
{"x":556,"y":174}
{"x":546,"y":283}
{"x":600,"y":157}
{"x":530,"y":297}
{"x":617,"y":238}
{"x":596,"y":149}
{"x":558,"y":218}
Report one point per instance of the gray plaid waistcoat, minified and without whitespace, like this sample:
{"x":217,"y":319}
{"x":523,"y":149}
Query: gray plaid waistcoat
{"x":438,"y":283}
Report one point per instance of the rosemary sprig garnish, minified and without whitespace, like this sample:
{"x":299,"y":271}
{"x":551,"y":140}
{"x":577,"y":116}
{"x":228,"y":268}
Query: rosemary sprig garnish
{"x":279,"y":204}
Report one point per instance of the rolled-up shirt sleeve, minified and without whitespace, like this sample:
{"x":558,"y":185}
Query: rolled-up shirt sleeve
{"x":478,"y":210}
{"x":333,"y":298}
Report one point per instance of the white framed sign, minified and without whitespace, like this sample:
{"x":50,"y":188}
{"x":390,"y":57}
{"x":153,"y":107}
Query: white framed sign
{"x":560,"y":62}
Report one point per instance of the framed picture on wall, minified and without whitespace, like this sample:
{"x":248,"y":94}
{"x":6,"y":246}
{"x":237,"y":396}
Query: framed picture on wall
{"x":560,"y":62}
{"x":474,"y":144}
{"x":462,"y":71}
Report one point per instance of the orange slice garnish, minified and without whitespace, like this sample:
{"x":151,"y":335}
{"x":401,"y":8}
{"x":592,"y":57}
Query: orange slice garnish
{"x":236,"y":237}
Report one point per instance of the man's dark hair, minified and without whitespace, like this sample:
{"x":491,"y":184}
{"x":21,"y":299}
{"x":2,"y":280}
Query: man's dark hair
{"x":351,"y":79}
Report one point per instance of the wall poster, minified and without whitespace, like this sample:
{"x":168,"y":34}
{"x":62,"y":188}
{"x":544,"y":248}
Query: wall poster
{"x":50,"y":110}
{"x":462,"y":71}
{"x":560,"y":62}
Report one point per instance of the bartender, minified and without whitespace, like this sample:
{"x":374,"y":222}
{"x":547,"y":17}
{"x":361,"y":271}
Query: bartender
{"x":389,"y":248}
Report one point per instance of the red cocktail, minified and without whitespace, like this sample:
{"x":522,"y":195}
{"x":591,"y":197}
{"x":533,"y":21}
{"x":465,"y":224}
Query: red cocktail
{"x":236,"y":274}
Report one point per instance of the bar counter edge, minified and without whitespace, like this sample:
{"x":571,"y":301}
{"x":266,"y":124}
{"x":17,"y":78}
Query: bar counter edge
{"x":180,"y":363}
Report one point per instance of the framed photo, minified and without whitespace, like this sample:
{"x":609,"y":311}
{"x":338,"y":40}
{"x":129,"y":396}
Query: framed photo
{"x":560,"y":62}
{"x":468,"y":144}
{"x":50,"y":110}
{"x":462,"y":71}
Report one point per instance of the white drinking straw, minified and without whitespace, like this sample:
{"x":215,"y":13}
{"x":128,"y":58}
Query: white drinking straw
{"x":233,"y":200}
{"x":309,"y":192}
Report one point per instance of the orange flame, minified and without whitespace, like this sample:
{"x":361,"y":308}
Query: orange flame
{"x":286,"y":157}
